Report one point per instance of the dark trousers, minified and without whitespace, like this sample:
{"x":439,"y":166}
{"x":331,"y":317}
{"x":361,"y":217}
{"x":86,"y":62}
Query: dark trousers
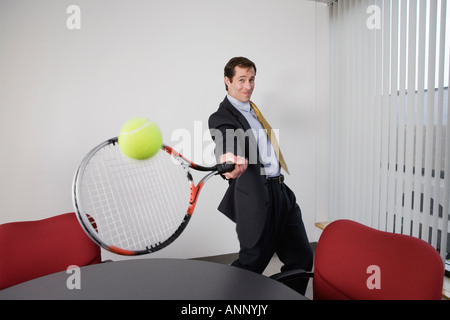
{"x":284,"y":234}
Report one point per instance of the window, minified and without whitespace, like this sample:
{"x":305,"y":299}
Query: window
{"x":390,"y":142}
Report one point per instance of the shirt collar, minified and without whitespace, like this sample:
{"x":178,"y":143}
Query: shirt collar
{"x":241,"y":106}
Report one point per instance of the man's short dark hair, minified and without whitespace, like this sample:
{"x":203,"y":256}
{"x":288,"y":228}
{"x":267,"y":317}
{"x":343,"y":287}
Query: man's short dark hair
{"x":241,"y":62}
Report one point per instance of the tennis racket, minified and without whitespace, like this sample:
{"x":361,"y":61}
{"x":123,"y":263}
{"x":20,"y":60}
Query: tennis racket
{"x":134,"y":207}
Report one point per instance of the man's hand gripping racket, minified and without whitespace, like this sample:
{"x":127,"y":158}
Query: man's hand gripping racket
{"x":133,"y":207}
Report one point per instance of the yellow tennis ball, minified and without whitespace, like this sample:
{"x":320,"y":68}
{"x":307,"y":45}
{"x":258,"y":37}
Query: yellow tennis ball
{"x":140,"y":138}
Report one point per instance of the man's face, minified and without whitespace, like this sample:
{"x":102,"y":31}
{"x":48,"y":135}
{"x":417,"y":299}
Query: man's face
{"x":242,"y":85}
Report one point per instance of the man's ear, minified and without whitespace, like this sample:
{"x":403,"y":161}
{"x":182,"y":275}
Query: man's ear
{"x":227,"y":81}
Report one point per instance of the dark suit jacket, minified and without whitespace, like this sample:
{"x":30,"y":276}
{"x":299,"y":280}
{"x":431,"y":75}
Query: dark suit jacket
{"x":246,"y":201}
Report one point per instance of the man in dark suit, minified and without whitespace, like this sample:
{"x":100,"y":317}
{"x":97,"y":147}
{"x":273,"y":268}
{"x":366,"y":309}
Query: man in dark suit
{"x":268,"y":219}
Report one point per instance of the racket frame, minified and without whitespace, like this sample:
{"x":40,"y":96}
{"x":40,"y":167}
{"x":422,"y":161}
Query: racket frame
{"x":88,"y":223}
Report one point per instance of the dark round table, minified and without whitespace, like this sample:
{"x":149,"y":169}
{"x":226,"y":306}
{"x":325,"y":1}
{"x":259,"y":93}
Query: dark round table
{"x":154,"y":279}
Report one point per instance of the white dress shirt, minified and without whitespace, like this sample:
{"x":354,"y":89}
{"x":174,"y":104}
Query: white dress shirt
{"x":267,"y":153}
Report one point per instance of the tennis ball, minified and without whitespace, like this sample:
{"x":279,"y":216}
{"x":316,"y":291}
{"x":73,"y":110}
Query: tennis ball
{"x":140,"y":138}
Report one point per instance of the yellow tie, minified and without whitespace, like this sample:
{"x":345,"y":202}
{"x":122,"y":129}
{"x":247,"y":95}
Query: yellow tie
{"x":272,"y":137}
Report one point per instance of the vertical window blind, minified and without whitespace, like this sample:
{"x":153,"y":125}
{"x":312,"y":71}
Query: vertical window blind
{"x":390,"y":142}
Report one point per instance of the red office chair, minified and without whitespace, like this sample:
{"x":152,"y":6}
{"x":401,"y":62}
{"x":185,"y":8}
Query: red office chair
{"x":32,"y":249}
{"x":405,"y":267}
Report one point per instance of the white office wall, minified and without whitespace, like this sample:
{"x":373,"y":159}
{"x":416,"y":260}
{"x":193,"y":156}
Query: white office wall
{"x":64,"y":91}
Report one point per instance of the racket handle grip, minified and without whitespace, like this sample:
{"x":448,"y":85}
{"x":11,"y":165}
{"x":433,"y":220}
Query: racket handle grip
{"x":225,"y":167}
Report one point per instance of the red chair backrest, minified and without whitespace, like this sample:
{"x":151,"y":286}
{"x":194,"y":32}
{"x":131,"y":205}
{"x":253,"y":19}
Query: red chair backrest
{"x":408,"y":268}
{"x":32,"y":249}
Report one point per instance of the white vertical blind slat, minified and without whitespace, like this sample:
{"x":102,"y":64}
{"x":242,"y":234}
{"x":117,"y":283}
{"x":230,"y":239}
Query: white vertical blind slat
{"x":418,"y":158}
{"x":429,"y":144}
{"x":351,"y":117}
{"x":368,"y":104}
{"x":377,"y":116}
{"x":410,"y":127}
{"x":386,"y":43}
{"x":400,"y":121}
{"x":358,"y":186}
{"x":438,"y":143}
{"x":393,"y":121}
{"x":446,"y":200}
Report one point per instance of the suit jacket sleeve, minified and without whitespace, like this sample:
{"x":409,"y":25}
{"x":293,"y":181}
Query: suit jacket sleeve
{"x":246,"y":199}
{"x":223,"y":132}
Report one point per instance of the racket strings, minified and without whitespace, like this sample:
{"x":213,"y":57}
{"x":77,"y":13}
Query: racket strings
{"x":135,"y":204}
